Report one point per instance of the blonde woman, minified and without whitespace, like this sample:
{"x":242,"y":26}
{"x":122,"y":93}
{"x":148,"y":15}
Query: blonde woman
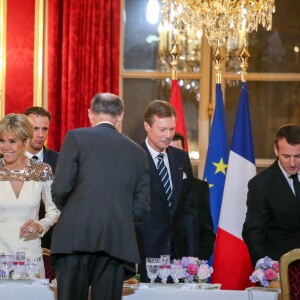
{"x":23,"y":182}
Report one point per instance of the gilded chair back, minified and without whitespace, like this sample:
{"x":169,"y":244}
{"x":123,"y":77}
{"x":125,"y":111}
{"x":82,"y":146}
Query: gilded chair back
{"x":290,"y":275}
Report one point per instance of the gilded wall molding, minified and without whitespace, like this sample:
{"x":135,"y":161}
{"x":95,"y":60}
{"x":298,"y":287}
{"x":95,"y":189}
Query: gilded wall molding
{"x":39,"y":37}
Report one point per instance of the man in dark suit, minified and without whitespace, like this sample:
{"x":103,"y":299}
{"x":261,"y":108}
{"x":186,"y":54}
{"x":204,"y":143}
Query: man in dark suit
{"x":272,"y":225}
{"x":172,"y":227}
{"x":207,"y":236}
{"x":41,"y":119}
{"x":102,"y":188}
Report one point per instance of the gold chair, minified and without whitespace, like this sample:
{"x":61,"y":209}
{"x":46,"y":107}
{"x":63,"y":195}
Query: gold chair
{"x":289,"y":265}
{"x":49,"y":271}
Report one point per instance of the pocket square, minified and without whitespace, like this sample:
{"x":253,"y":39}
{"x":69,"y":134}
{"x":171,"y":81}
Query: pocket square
{"x":184,"y":176}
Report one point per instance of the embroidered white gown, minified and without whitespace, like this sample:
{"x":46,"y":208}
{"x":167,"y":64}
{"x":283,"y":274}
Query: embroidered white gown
{"x":15,"y":211}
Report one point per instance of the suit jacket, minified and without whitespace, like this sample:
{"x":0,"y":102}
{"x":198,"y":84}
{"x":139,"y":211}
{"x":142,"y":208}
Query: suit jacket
{"x":101,"y":186}
{"x":272,"y":225}
{"x":206,"y":230}
{"x":50,"y":157}
{"x":177,"y":231}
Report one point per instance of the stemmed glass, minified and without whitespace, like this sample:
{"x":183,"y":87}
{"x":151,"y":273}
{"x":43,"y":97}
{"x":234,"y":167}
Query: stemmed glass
{"x":176,"y":271}
{"x":7,"y":264}
{"x":32,"y":267}
{"x":164,"y":269}
{"x":152,"y":267}
{"x":19,"y":265}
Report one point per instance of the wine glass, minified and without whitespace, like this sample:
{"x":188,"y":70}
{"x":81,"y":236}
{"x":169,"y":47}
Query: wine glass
{"x":152,"y":267}
{"x":164,"y":269}
{"x":32,"y":267}
{"x":7,"y":262}
{"x":19,"y":265}
{"x":176,"y":271}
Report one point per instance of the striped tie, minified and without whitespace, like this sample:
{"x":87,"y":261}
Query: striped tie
{"x":164,"y":177}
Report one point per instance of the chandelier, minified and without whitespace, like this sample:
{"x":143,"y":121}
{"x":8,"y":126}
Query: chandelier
{"x":218,"y":19}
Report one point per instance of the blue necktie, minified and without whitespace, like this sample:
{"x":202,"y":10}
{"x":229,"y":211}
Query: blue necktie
{"x":164,"y":177}
{"x":296,"y":184}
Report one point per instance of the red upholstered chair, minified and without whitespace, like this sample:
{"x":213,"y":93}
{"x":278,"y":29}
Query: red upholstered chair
{"x":49,"y":271}
{"x":290,"y":275}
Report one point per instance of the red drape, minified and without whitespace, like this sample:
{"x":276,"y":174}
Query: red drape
{"x":19,"y":55}
{"x":83,"y":59}
{"x":176,"y":101}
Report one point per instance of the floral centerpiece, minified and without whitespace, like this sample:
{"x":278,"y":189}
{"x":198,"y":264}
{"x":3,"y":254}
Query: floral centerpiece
{"x":266,"y":271}
{"x":194,"y":269}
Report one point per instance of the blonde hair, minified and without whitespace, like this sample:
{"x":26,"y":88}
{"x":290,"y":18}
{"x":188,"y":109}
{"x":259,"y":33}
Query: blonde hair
{"x":18,"y":124}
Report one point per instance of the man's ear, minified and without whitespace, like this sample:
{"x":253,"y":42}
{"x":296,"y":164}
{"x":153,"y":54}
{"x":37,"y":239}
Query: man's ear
{"x":147,"y":126}
{"x":276,"y":150}
{"x":90,"y":115}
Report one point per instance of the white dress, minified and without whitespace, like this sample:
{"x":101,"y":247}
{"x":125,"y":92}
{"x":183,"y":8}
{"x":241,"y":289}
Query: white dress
{"x":15,"y":211}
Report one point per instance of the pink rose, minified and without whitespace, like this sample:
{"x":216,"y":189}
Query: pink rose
{"x":270,"y":274}
{"x":204,"y":271}
{"x":275,"y":266}
{"x":192,"y":269}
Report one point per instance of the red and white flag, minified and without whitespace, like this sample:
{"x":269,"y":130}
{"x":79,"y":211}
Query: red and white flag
{"x":176,"y":102}
{"x":232,"y":264}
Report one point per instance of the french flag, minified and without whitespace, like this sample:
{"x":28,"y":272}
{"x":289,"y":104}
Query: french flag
{"x":232,"y":264}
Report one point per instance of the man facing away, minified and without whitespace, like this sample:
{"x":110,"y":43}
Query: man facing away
{"x":41,"y":118}
{"x":172,"y":227}
{"x":102,"y":188}
{"x":207,"y":236}
{"x":272,"y":225}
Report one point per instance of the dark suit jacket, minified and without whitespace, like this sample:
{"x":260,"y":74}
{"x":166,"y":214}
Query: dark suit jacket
{"x":206,"y":229}
{"x":272,"y":225}
{"x":177,"y":231}
{"x":101,"y":186}
{"x":50,"y":157}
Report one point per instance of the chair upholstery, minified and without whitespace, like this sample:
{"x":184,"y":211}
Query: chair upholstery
{"x":290,"y":275}
{"x":49,"y":271}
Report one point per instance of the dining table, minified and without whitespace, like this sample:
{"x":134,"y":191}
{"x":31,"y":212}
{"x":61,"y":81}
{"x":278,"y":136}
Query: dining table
{"x":16,"y":290}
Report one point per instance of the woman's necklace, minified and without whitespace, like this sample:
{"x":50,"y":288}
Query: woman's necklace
{"x":20,"y":169}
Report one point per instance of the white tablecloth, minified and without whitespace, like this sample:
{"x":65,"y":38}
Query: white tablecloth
{"x":38,"y":292}
{"x":175,"y":292}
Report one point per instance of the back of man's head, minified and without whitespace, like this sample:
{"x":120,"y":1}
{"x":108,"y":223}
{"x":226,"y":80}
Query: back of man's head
{"x":107,"y":103}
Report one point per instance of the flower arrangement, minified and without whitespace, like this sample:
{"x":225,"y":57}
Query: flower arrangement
{"x":195,"y":269}
{"x":266,"y":271}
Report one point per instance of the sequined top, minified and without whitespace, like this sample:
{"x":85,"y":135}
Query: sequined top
{"x":35,"y":171}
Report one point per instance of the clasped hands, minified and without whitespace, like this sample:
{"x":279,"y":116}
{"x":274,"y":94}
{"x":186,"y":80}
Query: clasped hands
{"x":30,"y":227}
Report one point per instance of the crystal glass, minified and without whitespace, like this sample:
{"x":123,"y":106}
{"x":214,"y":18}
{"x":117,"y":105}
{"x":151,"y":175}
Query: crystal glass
{"x":32,"y":266}
{"x":19,"y":265}
{"x":165,"y":268}
{"x":152,"y":267}
{"x":7,"y":265}
{"x":176,"y":271}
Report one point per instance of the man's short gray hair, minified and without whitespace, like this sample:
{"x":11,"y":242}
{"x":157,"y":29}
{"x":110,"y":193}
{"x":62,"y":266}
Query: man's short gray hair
{"x":107,"y":103}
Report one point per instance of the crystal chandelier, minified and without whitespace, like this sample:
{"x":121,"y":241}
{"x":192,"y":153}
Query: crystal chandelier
{"x":218,"y":19}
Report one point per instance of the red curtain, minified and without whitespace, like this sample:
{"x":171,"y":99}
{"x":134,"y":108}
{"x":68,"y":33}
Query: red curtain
{"x":83,"y":59}
{"x":19,"y":55}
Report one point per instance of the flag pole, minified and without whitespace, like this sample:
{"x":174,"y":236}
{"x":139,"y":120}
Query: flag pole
{"x":175,"y":53}
{"x":218,"y":58}
{"x":244,"y":56}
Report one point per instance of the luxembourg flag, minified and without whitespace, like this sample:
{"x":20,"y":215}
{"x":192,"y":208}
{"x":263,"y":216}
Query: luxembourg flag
{"x":232,"y":264}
